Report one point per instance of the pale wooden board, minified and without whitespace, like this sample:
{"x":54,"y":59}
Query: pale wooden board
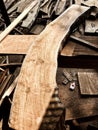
{"x":88,"y":82}
{"x":16,"y":44}
{"x":37,"y":79}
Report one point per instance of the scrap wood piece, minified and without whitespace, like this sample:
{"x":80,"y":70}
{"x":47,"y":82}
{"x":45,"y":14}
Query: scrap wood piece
{"x":84,"y":42}
{"x":47,"y":7}
{"x":60,"y":6}
{"x":87,"y":2}
{"x":68,"y":49}
{"x":3,"y":75}
{"x":90,"y":2}
{"x":88,"y":82}
{"x":17,"y":20}
{"x":37,"y":80}
{"x":13,"y":8}
{"x":91,"y":26}
{"x":32,"y":15}
{"x":23,"y":5}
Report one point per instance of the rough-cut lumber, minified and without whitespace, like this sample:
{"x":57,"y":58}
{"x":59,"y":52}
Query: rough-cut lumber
{"x":32,"y":15}
{"x":16,"y":21}
{"x":88,"y":82}
{"x":16,"y":44}
{"x":91,"y":27}
{"x":37,"y":80}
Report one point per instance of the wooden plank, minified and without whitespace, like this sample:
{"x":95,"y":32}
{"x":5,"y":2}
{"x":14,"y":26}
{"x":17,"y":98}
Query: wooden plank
{"x":37,"y":79}
{"x":90,"y":3}
{"x":78,"y":2}
{"x":16,"y":21}
{"x":73,"y":49}
{"x":68,"y":49}
{"x":16,"y":44}
{"x":88,"y":82}
{"x":83,"y":50}
{"x":32,"y":15}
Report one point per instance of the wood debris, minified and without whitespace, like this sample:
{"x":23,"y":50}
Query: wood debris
{"x":18,"y":113}
{"x":40,"y":35}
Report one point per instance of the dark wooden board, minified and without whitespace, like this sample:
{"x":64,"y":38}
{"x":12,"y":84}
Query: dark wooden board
{"x":73,"y":48}
{"x":88,"y":82}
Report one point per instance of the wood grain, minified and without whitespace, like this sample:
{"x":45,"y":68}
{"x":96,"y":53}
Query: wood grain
{"x":88,"y":82}
{"x":37,"y":79}
{"x":16,"y":44}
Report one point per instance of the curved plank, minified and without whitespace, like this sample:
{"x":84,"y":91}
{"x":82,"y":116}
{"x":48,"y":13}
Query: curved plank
{"x":37,"y":80}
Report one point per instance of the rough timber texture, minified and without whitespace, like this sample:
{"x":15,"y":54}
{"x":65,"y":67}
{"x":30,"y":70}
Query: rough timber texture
{"x":37,"y":79}
{"x":88,"y":82}
{"x":16,"y":44}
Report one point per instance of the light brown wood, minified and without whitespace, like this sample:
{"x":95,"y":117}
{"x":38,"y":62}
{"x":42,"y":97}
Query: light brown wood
{"x":16,"y":44}
{"x":37,"y":79}
{"x":16,"y":21}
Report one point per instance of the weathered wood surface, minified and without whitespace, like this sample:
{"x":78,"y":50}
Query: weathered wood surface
{"x":16,"y":44}
{"x":77,"y":106}
{"x":68,"y":49}
{"x":90,"y":3}
{"x":37,"y":79}
{"x":88,"y":82}
{"x":73,"y":49}
{"x":16,"y":21}
{"x":32,"y":15}
{"x":87,"y":2}
{"x":91,"y":26}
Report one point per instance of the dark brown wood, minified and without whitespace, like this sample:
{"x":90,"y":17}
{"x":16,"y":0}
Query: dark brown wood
{"x":83,"y":42}
{"x":73,"y":49}
{"x":3,"y":75}
{"x":88,"y":82}
{"x":4,"y":85}
{"x":4,"y":13}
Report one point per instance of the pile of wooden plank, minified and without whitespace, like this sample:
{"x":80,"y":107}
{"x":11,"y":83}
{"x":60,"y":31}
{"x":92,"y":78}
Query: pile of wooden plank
{"x":32,"y":92}
{"x":38,"y":16}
